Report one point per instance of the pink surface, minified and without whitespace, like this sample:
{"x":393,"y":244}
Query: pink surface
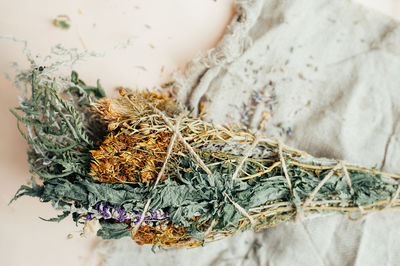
{"x":166,"y":35}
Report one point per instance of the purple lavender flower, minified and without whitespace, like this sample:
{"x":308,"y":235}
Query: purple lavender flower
{"x":107,"y":211}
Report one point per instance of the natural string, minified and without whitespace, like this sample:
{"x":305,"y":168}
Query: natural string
{"x":160,"y":174}
{"x":317,"y":188}
{"x":245,"y":156}
{"x":347,"y":176}
{"x":242,"y":211}
{"x":283,"y":163}
{"x":187,"y":145}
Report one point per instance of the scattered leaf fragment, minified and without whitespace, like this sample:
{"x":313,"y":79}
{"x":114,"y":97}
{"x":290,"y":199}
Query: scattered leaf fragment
{"x":62,"y":22}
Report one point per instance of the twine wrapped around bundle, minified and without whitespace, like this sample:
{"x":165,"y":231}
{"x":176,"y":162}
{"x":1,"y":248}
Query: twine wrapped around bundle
{"x":141,"y":166}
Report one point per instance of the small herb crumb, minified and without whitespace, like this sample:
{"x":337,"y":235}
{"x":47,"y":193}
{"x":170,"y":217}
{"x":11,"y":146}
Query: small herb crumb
{"x":167,"y":84}
{"x":141,"y":68}
{"x":62,"y":22}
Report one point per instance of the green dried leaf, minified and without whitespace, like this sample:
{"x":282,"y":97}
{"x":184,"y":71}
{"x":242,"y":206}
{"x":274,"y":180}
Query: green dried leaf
{"x":57,"y":219}
{"x":113,"y":230}
{"x":62,"y":22}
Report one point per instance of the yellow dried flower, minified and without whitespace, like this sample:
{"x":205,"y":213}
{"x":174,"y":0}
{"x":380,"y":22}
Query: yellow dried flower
{"x":126,"y":158}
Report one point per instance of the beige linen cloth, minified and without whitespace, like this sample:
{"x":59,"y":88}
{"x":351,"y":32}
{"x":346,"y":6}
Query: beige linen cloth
{"x":334,"y":68}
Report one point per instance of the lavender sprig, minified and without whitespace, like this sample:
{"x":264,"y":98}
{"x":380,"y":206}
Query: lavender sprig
{"x":107,"y":211}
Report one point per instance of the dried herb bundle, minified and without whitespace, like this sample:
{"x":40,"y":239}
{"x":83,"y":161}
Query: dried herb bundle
{"x":166,"y":178}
